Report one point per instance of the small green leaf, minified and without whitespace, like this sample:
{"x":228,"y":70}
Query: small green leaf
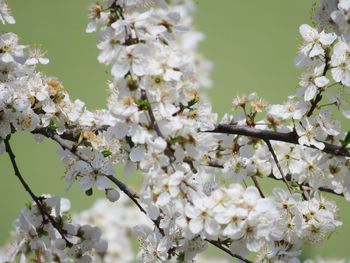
{"x":143,"y":104}
{"x":106,"y":153}
{"x":192,"y":102}
{"x":52,"y":125}
{"x":346,"y":141}
{"x":177,"y":139}
{"x":294,"y":184}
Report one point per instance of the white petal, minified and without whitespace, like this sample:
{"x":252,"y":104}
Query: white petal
{"x":344,"y":4}
{"x":120,"y":130}
{"x":137,"y":154}
{"x":212,"y":227}
{"x":321,"y":81}
{"x":327,"y":39}
{"x":337,"y":74}
{"x":120,"y":68}
{"x":302,"y":60}
{"x":44,"y":61}
{"x":196,"y":225}
{"x":102,"y":182}
{"x":163,"y":199}
{"x":308,"y":33}
{"x":176,"y":178}
{"x":310,"y":93}
{"x":316,"y":51}
{"x":86,"y":182}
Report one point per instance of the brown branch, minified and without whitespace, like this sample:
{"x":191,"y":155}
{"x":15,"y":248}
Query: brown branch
{"x":257,"y":185}
{"x":288,"y":137}
{"x":123,"y":187}
{"x":151,"y":115}
{"x":226,"y":250}
{"x":168,"y":151}
{"x":130,"y":193}
{"x":314,"y":103}
{"x":71,"y":133}
{"x":278,"y":165}
{"x":37,"y":200}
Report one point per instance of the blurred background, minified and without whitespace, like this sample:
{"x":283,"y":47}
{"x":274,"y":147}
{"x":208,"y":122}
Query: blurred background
{"x":252,"y":44}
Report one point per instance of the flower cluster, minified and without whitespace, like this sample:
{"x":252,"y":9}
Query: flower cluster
{"x":46,"y":231}
{"x":159,"y":121}
{"x":311,"y":221}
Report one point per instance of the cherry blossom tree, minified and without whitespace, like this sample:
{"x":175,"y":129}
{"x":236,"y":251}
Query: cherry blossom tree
{"x":201,"y":176}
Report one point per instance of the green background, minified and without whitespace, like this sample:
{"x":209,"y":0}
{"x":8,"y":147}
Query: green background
{"x":251,"y":42}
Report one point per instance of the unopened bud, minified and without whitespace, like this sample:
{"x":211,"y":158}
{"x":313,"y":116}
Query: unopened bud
{"x":112,"y":195}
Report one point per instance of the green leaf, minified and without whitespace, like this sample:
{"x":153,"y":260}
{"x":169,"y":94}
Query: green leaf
{"x":106,"y":153}
{"x":294,"y":184}
{"x":192,"y":102}
{"x":143,"y":104}
{"x":177,"y":139}
{"x":52,"y":125}
{"x":346,"y":141}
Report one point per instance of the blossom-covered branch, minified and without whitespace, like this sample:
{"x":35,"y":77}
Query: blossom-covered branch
{"x":270,"y":135}
{"x":159,"y":121}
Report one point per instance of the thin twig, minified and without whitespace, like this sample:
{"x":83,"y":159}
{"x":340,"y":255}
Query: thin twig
{"x":278,"y":165}
{"x":168,"y":151}
{"x":257,"y":185}
{"x":221,"y":247}
{"x":123,"y":187}
{"x":126,"y":190}
{"x":36,"y":199}
{"x":151,"y":115}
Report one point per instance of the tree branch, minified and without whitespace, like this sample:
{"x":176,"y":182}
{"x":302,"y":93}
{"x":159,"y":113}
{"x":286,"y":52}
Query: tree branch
{"x":37,"y":200}
{"x":168,"y":151}
{"x":124,"y":188}
{"x":278,"y":165}
{"x":289,"y":137}
{"x":151,"y":115}
{"x":226,"y":250}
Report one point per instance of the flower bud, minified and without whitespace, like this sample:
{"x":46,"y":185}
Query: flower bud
{"x":112,"y":195}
